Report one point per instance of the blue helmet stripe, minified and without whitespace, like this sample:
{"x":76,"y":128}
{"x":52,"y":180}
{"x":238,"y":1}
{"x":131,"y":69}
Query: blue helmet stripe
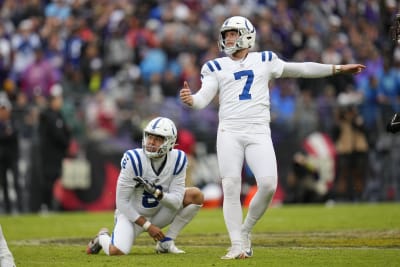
{"x":247,"y":26}
{"x":263,"y":57}
{"x":156,"y":123}
{"x":269,"y":55}
{"x":226,"y":22}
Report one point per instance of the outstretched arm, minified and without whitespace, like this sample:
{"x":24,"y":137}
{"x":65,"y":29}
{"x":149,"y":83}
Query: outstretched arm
{"x":318,"y":70}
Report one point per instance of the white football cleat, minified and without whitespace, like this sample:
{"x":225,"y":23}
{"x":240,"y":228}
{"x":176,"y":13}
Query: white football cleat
{"x":246,"y":245}
{"x":168,"y":246}
{"x":94,"y":246}
{"x":234,"y":254}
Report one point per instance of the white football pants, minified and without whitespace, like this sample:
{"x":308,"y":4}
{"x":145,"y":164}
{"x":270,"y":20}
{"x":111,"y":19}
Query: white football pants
{"x":125,"y":232}
{"x":233,"y":148}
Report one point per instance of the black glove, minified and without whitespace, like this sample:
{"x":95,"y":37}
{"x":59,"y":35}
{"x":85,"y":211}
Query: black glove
{"x":394,"y":125}
{"x":149,"y":187}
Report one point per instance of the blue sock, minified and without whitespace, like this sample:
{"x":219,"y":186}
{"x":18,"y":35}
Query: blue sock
{"x":166,"y":239}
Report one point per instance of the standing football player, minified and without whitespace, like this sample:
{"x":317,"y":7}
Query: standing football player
{"x":151,"y":194}
{"x":241,"y":81}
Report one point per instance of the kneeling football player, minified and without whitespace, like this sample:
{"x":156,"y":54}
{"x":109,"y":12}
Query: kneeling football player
{"x":151,"y":194}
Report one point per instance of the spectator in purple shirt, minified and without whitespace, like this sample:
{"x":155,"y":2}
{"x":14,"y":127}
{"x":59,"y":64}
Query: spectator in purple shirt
{"x":39,"y":76}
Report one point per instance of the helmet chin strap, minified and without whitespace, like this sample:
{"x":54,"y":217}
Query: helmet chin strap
{"x":231,"y":50}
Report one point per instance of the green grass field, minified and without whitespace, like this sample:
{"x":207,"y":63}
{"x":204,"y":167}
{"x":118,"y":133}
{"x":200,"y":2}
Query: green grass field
{"x":290,"y":235}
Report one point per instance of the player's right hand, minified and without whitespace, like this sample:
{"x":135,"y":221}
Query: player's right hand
{"x":186,"y":95}
{"x":155,"y":232}
{"x":148,"y":186}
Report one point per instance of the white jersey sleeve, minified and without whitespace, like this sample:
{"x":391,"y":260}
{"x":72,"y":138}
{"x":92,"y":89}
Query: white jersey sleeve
{"x":209,"y":86}
{"x":173,"y":197}
{"x":306,"y":70}
{"x":126,"y":185}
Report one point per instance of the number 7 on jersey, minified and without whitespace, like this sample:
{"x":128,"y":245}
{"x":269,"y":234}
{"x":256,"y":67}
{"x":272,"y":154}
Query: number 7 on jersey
{"x":245,"y":95}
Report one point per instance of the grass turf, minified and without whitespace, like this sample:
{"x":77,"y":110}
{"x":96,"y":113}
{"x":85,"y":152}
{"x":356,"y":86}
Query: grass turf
{"x":291,"y":235}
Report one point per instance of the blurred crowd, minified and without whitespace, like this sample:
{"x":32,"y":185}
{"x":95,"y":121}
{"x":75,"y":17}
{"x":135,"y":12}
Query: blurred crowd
{"x":116,"y":64}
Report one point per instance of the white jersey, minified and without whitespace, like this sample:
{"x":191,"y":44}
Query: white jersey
{"x":133,"y":201}
{"x":242,"y":85}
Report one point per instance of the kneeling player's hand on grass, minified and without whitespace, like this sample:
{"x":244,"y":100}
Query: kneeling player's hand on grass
{"x":155,"y":232}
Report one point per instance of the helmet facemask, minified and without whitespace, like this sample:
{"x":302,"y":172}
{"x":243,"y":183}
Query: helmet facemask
{"x":160,"y":151}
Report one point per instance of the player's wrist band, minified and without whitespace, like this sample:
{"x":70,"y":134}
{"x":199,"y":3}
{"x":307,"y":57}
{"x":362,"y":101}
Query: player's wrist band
{"x":336,"y":69}
{"x":146,"y":225}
